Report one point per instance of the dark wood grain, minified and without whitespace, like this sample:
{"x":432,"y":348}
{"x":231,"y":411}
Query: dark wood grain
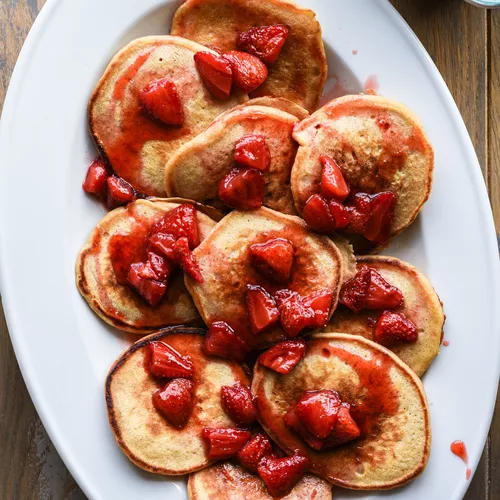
{"x":464,"y":42}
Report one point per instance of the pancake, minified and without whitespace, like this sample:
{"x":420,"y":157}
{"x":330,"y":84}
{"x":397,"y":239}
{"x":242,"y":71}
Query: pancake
{"x":285,"y":105}
{"x":225,"y":265}
{"x":141,"y":431}
{"x":421,"y":305}
{"x":136,"y":146}
{"x":389,"y":400}
{"x":351,"y":130}
{"x":300,"y":72}
{"x":348,"y":258}
{"x":195,"y":170}
{"x":117,"y":304}
{"x":228,"y":481}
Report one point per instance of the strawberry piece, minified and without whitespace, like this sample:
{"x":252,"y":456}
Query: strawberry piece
{"x":165,"y":362}
{"x":283,"y":356}
{"x":252,"y":151}
{"x":225,"y":443}
{"x":162,"y":244}
{"x":216,"y":73}
{"x":318,"y":410}
{"x":333,"y":184}
{"x":261,"y":309}
{"x":187,"y":260}
{"x":353,"y":292}
{"x":345,"y":429}
{"x":179,"y":222}
{"x":119,"y":192}
{"x":95,"y":180}
{"x":281,"y":296}
{"x":293,"y":421}
{"x":237,"y":402}
{"x":221,"y":341}
{"x":254,"y":451}
{"x":142,"y":278}
{"x":281,"y":474}
{"x":340,"y":214}
{"x":382,"y":212}
{"x":175,"y":401}
{"x":161,"y":101}
{"x":161,"y":267}
{"x":265,"y":42}
{"x":295,"y":316}
{"x":359,"y":213}
{"x":320,"y":302}
{"x":273,"y":259}
{"x":242,"y":188}
{"x":394,"y":328}
{"x":380,"y":294}
{"x":317,"y":214}
{"x":249,"y":72}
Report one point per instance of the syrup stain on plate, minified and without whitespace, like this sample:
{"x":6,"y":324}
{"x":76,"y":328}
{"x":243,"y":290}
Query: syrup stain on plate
{"x":458,"y":449}
{"x":446,"y":343}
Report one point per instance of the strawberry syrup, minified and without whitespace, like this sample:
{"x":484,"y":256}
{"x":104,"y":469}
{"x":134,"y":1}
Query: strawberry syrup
{"x":458,"y":449}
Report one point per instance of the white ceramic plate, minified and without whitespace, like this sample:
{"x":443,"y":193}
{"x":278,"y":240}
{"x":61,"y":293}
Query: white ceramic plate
{"x":64,"y":350}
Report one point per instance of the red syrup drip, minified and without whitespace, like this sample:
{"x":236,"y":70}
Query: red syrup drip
{"x":458,"y":449}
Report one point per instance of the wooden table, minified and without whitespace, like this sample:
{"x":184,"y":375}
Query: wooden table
{"x":464,"y":42}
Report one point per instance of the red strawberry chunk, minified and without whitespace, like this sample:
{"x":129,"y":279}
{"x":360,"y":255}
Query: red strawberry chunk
{"x":340,"y":214}
{"x":142,"y":278}
{"x":320,"y":302}
{"x":175,"y":401}
{"x":162,"y":244}
{"x":161,"y":267}
{"x":221,"y":341}
{"x":165,"y":362}
{"x":265,"y":42}
{"x":180,"y":221}
{"x":261,"y":309}
{"x":252,"y":151}
{"x":237,"y":402}
{"x":281,"y":474}
{"x":281,"y":296}
{"x":353,"y":293}
{"x":295,"y":316}
{"x":317,"y":214}
{"x":187,"y":260}
{"x":249,"y":72}
{"x":273,"y":259}
{"x":293,"y":421}
{"x":318,"y":410}
{"x":216,"y":73}
{"x":95,"y":180}
{"x":394,"y":328}
{"x":161,"y":101}
{"x":119,"y":192}
{"x":382,"y":212}
{"x":225,"y":443}
{"x":380,"y":294}
{"x":242,"y":188}
{"x":254,"y":451}
{"x":333,"y":184}
{"x":283,"y":356}
{"x":345,"y":429}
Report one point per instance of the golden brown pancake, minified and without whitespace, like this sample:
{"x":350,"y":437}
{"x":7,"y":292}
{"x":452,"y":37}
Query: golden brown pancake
{"x":115,"y":303}
{"x":299,"y":74}
{"x":224,"y":262}
{"x":421,"y":305}
{"x":141,"y":431}
{"x":389,"y":405}
{"x":348,"y":258}
{"x":196,"y":169}
{"x":136,"y":146}
{"x":229,"y":481}
{"x":353,"y":131}
{"x":285,"y":105}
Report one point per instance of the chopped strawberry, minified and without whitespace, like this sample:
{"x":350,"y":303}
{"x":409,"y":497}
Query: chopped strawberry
{"x":380,"y":294}
{"x":95,"y":180}
{"x":187,"y":260}
{"x":249,"y":72}
{"x":162,"y":244}
{"x":216,"y":73}
{"x":333,"y":184}
{"x":165,"y":362}
{"x":142,"y":278}
{"x":281,"y":474}
{"x":359,"y":213}
{"x":295,"y":316}
{"x":221,"y":341}
{"x":340,"y":214}
{"x":320,"y":302}
{"x":119,"y":192}
{"x":265,"y":42}
{"x":345,"y":429}
{"x":394,"y":328}
{"x":353,"y":293}
{"x":317,"y":214}
{"x":318,"y":411}
{"x":293,"y":421}
{"x":180,"y":221}
{"x":237,"y":401}
{"x":261,"y":309}
{"x":161,"y":101}
{"x":225,"y":443}
{"x":254,"y":451}
{"x":175,"y":401}
{"x":242,"y":188}
{"x":161,"y":267}
{"x":273,"y":259}
{"x":281,"y":296}
{"x":283,"y":356}
{"x":252,"y":151}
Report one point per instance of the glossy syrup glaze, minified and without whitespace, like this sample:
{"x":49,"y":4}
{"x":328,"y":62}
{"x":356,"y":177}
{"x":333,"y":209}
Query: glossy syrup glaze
{"x":458,"y":448}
